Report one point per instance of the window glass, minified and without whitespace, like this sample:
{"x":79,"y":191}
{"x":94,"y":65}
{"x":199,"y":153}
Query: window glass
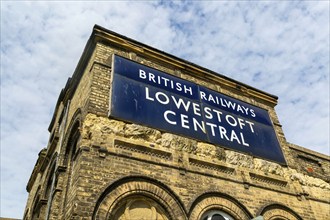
{"x":216,"y":215}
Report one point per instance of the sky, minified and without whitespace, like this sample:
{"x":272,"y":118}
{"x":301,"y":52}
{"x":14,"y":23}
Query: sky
{"x":280,"y":47}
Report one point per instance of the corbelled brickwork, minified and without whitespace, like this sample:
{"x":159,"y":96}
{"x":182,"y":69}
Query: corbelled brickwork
{"x":97,"y":167}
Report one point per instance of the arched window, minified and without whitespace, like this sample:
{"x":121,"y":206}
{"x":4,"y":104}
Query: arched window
{"x":139,"y":207}
{"x":279,"y":212}
{"x":36,"y":208}
{"x":50,"y":187}
{"x":216,"y":215}
{"x":136,"y":198}
{"x":217,"y":206}
{"x":72,"y":145}
{"x":68,"y":161}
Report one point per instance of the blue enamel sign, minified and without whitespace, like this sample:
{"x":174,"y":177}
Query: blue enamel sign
{"x":146,"y":96}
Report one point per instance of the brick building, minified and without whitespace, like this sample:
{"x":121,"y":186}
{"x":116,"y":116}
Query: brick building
{"x":110,"y":159}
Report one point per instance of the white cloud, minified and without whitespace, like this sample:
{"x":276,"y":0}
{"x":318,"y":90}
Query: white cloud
{"x":279,"y":47}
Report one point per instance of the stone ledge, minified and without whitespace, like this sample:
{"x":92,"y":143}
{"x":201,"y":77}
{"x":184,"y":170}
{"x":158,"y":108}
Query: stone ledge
{"x":142,"y":149}
{"x":268,"y":180}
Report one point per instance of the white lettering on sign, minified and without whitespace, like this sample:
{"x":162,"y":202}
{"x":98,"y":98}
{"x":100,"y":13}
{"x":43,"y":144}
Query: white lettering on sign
{"x":160,"y":80}
{"x":190,"y":122}
{"x":227,"y":103}
{"x":147,"y":96}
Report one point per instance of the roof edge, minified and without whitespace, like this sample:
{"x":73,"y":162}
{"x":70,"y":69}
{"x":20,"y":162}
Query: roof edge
{"x":102,"y":34}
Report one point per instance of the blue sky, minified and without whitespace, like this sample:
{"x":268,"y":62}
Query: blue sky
{"x":281,"y":47}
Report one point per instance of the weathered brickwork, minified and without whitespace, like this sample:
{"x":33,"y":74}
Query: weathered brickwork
{"x":97,"y":167}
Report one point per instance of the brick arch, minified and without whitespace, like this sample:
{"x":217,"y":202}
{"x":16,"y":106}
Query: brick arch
{"x":75,"y":123}
{"x":35,"y":201}
{"x":49,"y":175}
{"x":73,"y":132}
{"x":138,"y":186}
{"x":218,"y":201}
{"x":49,"y":170}
{"x":279,"y":211}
